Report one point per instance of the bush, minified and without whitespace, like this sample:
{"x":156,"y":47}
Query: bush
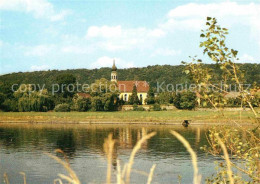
{"x":185,"y":100}
{"x":233,"y":102}
{"x":164,"y":98}
{"x":177,"y":101}
{"x":62,"y":108}
{"x":136,"y":108}
{"x":156,"y":107}
{"x":188,"y":100}
{"x":81,"y":104}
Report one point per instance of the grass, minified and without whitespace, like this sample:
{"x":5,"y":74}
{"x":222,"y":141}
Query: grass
{"x":176,"y":116}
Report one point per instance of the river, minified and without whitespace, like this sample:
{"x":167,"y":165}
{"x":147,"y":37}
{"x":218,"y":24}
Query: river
{"x":23,"y":148}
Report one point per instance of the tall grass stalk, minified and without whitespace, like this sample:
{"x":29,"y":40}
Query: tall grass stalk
{"x":150,"y":177}
{"x":6,"y":180}
{"x":132,"y":156}
{"x":196,"y":176}
{"x":24,"y":177}
{"x":229,"y":171}
{"x":72,"y":178}
{"x":108,"y":148}
{"x":57,"y":180}
{"x":118,"y":175}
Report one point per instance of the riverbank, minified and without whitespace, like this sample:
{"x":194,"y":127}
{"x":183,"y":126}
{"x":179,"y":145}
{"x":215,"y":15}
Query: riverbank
{"x":132,"y":117}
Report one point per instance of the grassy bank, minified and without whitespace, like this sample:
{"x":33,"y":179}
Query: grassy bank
{"x":171,"y":117}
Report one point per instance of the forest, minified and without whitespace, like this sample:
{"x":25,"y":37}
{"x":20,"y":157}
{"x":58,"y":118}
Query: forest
{"x":152,"y":74}
{"x":23,"y":100}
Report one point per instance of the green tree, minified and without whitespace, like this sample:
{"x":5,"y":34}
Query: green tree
{"x":133,"y":99}
{"x":187,"y":100}
{"x":10,"y":105}
{"x":2,"y":99}
{"x":164,"y":98}
{"x":239,"y":143}
{"x":29,"y":100}
{"x":104,"y":95}
{"x":66,"y":84}
{"x":81,"y":104}
{"x":177,"y":100}
{"x":150,"y":96}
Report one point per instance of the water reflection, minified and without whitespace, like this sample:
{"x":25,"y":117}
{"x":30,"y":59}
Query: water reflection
{"x":83,"y":144}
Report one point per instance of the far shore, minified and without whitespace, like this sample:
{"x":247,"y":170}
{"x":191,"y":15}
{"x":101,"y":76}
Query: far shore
{"x":175,"y":117}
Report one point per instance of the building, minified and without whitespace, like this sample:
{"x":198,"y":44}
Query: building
{"x":126,"y":87}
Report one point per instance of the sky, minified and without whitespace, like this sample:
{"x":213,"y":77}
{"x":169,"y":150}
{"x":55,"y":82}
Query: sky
{"x":68,"y":34}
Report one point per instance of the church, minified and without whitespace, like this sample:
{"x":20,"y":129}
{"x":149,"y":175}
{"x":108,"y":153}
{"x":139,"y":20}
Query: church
{"x":126,"y":87}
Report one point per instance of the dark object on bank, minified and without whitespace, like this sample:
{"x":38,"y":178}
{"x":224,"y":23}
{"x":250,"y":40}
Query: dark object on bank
{"x":186,"y":123}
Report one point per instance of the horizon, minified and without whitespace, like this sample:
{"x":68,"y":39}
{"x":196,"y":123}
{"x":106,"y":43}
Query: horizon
{"x":44,"y":35}
{"x":108,"y":68}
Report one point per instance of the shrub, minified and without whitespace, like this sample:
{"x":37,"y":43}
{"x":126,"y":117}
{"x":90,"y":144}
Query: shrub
{"x":164,"y":98}
{"x":156,"y":107}
{"x":188,"y":100}
{"x":233,"y":102}
{"x":81,"y":104}
{"x":135,"y":106}
{"x":185,"y":100}
{"x":177,"y":101}
{"x":62,"y":108}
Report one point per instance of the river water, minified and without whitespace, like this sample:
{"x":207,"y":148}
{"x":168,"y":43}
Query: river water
{"x":23,"y":148}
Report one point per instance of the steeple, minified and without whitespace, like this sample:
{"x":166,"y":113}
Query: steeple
{"x":114,"y":66}
{"x":114,"y":72}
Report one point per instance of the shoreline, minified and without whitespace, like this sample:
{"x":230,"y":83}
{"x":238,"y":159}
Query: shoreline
{"x":129,"y":117}
{"x":101,"y":122}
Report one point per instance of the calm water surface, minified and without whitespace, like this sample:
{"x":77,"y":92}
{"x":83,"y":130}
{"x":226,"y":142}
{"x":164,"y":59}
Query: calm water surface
{"x":22,"y":149}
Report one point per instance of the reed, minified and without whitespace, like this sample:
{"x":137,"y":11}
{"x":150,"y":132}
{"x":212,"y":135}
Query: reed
{"x":119,"y":175}
{"x":6,"y":180}
{"x":150,"y":177}
{"x":226,"y":157}
{"x":108,"y":148}
{"x":72,"y":178}
{"x":132,"y":156}
{"x":196,"y":176}
{"x":24,"y":177}
{"x":57,"y":180}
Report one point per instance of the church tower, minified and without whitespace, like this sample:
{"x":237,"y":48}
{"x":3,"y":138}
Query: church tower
{"x":114,"y":72}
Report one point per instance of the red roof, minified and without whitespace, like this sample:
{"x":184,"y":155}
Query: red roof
{"x":127,"y":86}
{"x":84,"y":95}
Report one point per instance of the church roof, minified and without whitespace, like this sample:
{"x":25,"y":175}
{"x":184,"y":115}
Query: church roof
{"x":127,"y":86}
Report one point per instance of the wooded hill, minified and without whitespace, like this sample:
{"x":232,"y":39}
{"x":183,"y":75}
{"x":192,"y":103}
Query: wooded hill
{"x":152,"y":74}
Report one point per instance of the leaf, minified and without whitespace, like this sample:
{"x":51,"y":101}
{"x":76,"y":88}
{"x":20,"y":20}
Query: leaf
{"x":187,"y":71}
{"x":208,"y":18}
{"x":202,"y":35}
{"x":234,"y":52}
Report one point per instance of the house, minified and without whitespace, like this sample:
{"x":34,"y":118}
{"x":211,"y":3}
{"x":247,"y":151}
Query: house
{"x":126,"y":87}
{"x":83,"y":95}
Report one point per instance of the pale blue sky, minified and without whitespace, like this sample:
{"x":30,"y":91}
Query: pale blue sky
{"x":66,"y":34}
